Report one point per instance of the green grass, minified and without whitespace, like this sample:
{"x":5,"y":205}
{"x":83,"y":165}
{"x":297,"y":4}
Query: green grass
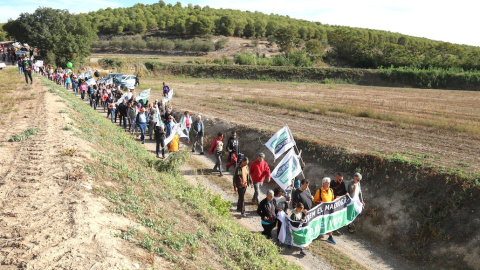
{"x":25,"y":135}
{"x":153,"y":193}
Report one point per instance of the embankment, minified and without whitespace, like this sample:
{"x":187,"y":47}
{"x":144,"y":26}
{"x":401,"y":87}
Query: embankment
{"x":178,"y":225}
{"x":427,"y":216}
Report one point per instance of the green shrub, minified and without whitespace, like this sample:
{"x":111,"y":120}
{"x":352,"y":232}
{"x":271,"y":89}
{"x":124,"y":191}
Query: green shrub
{"x":25,"y":135}
{"x":221,"y":43}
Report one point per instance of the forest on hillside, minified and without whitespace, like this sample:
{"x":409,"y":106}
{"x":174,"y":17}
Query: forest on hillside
{"x":357,"y":47}
{"x":337,"y":45}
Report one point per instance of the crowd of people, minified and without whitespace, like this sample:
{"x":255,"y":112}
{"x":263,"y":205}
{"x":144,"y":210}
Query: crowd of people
{"x":157,"y":121}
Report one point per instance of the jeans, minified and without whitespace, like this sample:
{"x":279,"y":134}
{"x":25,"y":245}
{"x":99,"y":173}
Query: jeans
{"x":187,"y":130}
{"x":132,"y":125}
{"x":112,"y":114}
{"x":241,"y":199}
{"x":256,"y":186}
{"x":124,"y":120}
{"x":20,"y":70}
{"x":198,"y":139}
{"x":82,"y":94}
{"x":218,"y":164}
{"x":151,"y":126}
{"x":142,"y":127}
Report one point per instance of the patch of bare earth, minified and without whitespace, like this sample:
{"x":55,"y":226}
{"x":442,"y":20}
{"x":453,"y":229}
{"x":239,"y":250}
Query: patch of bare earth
{"x":49,"y":216}
{"x":431,"y":117}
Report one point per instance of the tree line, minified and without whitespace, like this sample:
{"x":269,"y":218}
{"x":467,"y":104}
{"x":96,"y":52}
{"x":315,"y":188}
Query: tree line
{"x":337,"y":45}
{"x":356,"y":47}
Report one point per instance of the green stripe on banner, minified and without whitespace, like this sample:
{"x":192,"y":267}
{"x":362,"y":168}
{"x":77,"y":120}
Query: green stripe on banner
{"x":323,"y":225}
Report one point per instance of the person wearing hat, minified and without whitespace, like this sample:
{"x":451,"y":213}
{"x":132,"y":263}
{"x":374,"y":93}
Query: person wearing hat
{"x":258,"y":171}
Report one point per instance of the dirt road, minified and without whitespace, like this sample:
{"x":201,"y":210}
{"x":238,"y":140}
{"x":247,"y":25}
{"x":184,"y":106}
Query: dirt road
{"x":49,"y":217}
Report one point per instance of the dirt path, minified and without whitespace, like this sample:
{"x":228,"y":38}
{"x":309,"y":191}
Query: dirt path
{"x":49,"y":217}
{"x":199,"y":171}
{"x":363,"y":253}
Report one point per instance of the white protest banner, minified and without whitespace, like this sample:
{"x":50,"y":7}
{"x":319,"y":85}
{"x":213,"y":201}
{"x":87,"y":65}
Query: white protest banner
{"x":143,"y":95}
{"x":172,"y":134}
{"x":39,"y":63}
{"x":91,"y":81}
{"x":280,"y":142}
{"x":120,"y":100}
{"x":157,"y":117}
{"x":109,"y":81}
{"x":180,"y":132}
{"x":287,"y":169}
{"x":169,"y":96}
{"x":88,"y":74}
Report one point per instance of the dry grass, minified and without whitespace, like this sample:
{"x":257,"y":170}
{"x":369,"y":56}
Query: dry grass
{"x":9,"y":82}
{"x":450,"y":110}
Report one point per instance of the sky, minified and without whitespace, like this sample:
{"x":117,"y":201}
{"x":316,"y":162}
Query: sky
{"x":450,"y":21}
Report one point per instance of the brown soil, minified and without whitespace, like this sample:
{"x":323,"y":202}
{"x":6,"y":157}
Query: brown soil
{"x":357,"y":134}
{"x":49,"y":217}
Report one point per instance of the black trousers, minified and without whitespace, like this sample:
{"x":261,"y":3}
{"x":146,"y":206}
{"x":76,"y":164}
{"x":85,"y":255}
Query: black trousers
{"x":28,"y":74}
{"x":267,"y":229}
{"x":241,"y":199}
{"x":160,"y":142}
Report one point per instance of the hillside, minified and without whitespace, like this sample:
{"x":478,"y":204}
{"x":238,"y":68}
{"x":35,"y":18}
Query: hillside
{"x":358,"y":47}
{"x":336,"y":45}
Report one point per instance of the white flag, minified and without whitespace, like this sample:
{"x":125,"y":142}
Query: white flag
{"x":120,"y":100}
{"x":280,"y":142}
{"x":180,"y":132}
{"x":87,"y":74}
{"x":157,"y":118}
{"x":143,"y":95}
{"x":173,"y":128}
{"x":169,"y":96}
{"x":287,"y":169}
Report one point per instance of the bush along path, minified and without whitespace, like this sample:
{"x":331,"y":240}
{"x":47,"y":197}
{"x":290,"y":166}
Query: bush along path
{"x":175,"y":222}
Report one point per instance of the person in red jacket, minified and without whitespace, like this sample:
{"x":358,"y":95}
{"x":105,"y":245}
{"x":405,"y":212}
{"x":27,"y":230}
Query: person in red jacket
{"x":258,"y":171}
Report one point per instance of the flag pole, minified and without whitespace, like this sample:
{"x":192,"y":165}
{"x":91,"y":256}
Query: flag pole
{"x":296,"y":148}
